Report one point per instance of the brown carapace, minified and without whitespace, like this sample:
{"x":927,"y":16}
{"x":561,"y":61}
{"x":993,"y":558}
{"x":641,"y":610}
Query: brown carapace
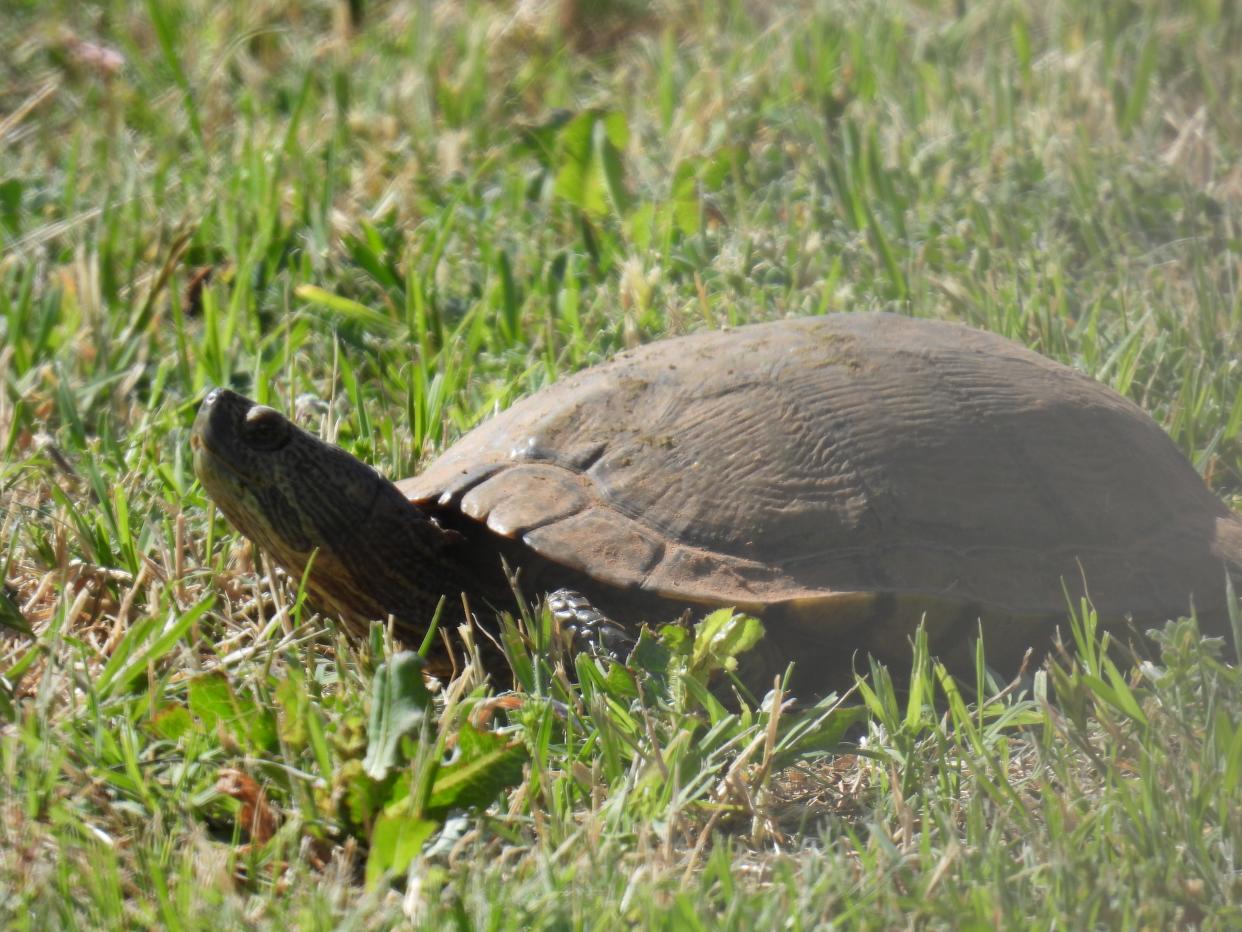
{"x":843,"y":477}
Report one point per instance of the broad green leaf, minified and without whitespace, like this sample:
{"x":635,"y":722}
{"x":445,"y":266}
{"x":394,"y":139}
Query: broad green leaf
{"x":574,"y":168}
{"x":172,"y":722}
{"x":640,"y":225}
{"x":211,"y":699}
{"x":483,"y":766}
{"x":716,"y":170}
{"x":615,"y":681}
{"x":359,"y":799}
{"x":214,"y":702}
{"x":616,"y":128}
{"x":399,"y":701}
{"x":684,"y":198}
{"x":609,"y":166}
{"x":676,"y":638}
{"x":395,"y":841}
{"x":590,"y":172}
{"x":651,"y":653}
{"x":291,"y":694}
{"x":720,"y":638}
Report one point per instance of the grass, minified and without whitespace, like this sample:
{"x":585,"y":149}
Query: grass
{"x":396,"y":226}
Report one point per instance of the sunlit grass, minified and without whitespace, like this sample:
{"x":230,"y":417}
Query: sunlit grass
{"x":394,"y":228}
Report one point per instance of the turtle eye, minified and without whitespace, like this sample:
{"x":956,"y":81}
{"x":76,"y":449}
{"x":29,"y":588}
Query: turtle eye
{"x":265,"y":429}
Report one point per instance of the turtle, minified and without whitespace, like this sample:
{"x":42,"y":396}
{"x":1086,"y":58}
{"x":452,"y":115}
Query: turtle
{"x":844,"y":478}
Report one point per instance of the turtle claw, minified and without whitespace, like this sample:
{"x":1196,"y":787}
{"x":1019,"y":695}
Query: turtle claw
{"x":585,"y":629}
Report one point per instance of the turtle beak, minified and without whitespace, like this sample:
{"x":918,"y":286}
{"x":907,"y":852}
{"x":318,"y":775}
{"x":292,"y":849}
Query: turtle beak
{"x":216,"y":428}
{"x":202,"y":418}
{"x":223,"y":398}
{"x":207,"y":421}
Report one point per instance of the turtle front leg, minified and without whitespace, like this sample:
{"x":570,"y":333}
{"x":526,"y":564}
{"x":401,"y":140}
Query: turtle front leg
{"x":586,"y":629}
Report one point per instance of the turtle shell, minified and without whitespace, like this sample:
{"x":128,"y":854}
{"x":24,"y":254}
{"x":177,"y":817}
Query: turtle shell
{"x":816,"y":461}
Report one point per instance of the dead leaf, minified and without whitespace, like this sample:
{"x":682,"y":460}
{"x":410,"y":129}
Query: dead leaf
{"x":257,"y":817}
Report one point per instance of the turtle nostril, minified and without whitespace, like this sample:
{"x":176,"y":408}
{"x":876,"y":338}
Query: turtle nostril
{"x":211,"y":397}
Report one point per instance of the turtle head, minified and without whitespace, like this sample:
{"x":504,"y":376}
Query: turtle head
{"x":374,"y":553}
{"x":284,"y":488}
{"x":296,"y":496}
